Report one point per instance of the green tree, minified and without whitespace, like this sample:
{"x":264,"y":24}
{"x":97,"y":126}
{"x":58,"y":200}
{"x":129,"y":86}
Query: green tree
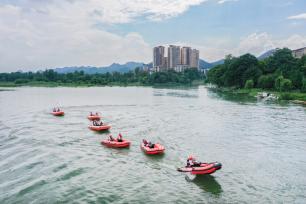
{"x":286,"y":85}
{"x":249,"y":84}
{"x":266,"y":81}
{"x":216,"y":75}
{"x":303,"y":89}
{"x":278,"y":82}
{"x":240,"y":69}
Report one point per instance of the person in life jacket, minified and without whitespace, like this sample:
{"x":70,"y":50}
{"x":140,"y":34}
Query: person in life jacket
{"x":145,"y":142}
{"x":148,"y":144}
{"x":119,"y":138}
{"x":191,"y":162}
{"x":110,"y":137}
{"x":95,"y":123}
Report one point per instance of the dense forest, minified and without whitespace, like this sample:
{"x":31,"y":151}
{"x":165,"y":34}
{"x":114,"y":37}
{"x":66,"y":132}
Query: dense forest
{"x":280,"y":72}
{"x":138,"y":76}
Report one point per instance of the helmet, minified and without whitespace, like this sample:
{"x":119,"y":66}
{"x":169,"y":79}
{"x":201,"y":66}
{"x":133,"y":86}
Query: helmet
{"x":190,"y":157}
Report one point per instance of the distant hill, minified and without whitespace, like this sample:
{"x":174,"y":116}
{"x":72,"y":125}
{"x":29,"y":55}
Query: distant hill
{"x":115,"y":67}
{"x":123,"y":68}
{"x":266,"y":54}
{"x":207,"y":65}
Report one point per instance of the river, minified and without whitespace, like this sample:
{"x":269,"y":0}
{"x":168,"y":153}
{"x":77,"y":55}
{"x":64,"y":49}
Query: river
{"x":47,"y":159}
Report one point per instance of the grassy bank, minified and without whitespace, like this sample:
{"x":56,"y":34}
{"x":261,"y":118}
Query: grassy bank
{"x":292,"y":95}
{"x":57,"y":84}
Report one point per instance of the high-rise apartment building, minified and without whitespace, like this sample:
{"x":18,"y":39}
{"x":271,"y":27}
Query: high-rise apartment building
{"x":177,"y":58}
{"x":158,"y":57}
{"x":194,"y":59}
{"x":185,"y":55}
{"x":174,"y":56}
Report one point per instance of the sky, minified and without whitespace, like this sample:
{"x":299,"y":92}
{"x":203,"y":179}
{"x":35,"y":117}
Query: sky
{"x":41,"y":34}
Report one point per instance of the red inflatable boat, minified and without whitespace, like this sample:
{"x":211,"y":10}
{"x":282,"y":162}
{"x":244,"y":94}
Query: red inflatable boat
{"x":157,"y":149}
{"x":58,"y":113}
{"x":204,"y":168}
{"x":116,"y":144}
{"x":94,"y":117}
{"x":99,"y":128}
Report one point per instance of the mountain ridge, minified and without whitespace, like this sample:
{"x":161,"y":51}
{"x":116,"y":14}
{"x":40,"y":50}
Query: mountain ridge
{"x":123,"y":68}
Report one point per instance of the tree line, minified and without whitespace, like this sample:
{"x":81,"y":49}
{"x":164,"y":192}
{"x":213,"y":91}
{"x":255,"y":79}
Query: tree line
{"x":137,"y":76}
{"x":281,"y":72}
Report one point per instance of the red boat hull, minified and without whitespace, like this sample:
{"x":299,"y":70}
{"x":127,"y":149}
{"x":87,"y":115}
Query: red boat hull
{"x":158,"y":149}
{"x":205,"y":168}
{"x":94,"y":117}
{"x":58,"y":113}
{"x":99,"y":128}
{"x":116,"y":144}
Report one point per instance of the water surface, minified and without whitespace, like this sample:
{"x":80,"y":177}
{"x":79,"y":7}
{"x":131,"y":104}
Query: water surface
{"x":46,"y":159}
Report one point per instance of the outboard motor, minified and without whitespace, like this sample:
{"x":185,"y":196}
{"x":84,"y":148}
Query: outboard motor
{"x":217,"y":165}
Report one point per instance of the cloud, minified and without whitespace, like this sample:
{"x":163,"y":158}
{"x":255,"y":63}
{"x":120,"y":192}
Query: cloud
{"x":109,"y":11}
{"x":224,"y":1}
{"x":257,"y":43}
{"x":254,"y":43}
{"x":301,"y":16}
{"x":30,"y":42}
{"x":52,"y":33}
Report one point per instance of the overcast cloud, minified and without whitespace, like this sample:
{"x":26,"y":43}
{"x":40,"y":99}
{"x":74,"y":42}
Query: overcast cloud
{"x":55,"y":33}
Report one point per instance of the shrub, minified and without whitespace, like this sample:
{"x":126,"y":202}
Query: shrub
{"x":286,"y":96}
{"x":249,"y":84}
{"x":303,"y":89}
{"x":286,"y":85}
{"x":278,"y":82}
{"x":21,"y":81}
{"x":266,"y":81}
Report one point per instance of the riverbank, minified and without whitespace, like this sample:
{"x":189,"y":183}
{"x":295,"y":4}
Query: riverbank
{"x":294,"y":96}
{"x":59,"y":84}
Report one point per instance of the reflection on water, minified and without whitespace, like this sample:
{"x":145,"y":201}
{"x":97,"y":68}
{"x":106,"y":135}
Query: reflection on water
{"x":234,"y":97}
{"x":104,"y":132}
{"x":155,"y":157}
{"x":6,"y":89}
{"x":42,"y":155}
{"x":206,"y":182}
{"x":191,"y":92}
{"x":182,"y":95}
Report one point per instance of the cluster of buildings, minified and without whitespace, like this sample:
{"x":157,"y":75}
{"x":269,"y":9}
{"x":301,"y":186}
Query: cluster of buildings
{"x":299,"y":53}
{"x":178,"y":58}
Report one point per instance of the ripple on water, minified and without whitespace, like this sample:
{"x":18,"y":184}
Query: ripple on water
{"x":32,"y":187}
{"x":72,"y":174}
{"x":46,"y":159}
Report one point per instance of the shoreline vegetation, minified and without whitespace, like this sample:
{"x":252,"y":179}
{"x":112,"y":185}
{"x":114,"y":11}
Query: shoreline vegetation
{"x":52,"y":84}
{"x":138,"y":77}
{"x":294,"y":96}
{"x":280,"y":74}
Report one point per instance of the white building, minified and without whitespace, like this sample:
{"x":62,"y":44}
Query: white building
{"x":194,"y":61}
{"x":158,"y":57}
{"x":174,"y":56}
{"x":299,"y":53}
{"x":185,"y":55}
{"x":181,"y":67}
